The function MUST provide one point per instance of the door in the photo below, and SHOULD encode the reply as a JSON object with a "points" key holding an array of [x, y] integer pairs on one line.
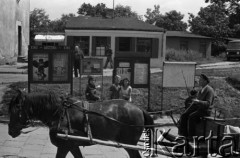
{"points": [[19, 40]]}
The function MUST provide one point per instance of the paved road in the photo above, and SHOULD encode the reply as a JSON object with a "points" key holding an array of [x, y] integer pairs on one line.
{"points": [[37, 145]]}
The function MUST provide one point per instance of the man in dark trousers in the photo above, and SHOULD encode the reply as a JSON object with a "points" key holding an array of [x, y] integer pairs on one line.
{"points": [[198, 108], [78, 56], [108, 53]]}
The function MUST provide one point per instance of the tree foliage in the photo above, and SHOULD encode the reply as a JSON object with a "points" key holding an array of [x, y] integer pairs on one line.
{"points": [[124, 11], [170, 21], [152, 15], [101, 10], [212, 21], [59, 25], [39, 22]]}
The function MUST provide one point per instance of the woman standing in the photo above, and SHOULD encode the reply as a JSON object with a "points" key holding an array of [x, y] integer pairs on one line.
{"points": [[126, 90]]}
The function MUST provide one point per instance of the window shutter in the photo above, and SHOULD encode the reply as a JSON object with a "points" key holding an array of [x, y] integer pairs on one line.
{"points": [[93, 46], [155, 47]]}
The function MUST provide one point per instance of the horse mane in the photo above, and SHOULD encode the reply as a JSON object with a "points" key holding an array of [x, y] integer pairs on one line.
{"points": [[37, 103]]}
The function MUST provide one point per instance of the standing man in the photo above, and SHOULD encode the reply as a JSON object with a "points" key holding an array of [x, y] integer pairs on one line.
{"points": [[108, 53], [198, 108], [78, 56]]}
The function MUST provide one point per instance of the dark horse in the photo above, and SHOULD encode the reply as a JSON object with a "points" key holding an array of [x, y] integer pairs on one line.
{"points": [[115, 120]]}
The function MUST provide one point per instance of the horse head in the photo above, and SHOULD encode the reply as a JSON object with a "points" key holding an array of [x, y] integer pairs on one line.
{"points": [[18, 115]]}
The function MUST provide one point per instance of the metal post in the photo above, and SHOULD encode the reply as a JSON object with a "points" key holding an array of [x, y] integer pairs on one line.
{"points": [[113, 9]]}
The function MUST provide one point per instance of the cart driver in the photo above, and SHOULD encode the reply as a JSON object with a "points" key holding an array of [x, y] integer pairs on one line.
{"points": [[198, 108]]}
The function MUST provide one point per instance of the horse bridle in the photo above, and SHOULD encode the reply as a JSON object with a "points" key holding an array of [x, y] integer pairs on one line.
{"points": [[23, 111]]}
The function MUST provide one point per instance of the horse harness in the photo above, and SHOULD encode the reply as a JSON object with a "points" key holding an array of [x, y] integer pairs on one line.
{"points": [[84, 107]]}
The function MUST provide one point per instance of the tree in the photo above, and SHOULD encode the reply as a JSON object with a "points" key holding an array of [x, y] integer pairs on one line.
{"points": [[211, 21], [170, 21], [39, 22], [88, 9], [124, 11], [101, 10], [59, 25], [232, 11], [152, 16]]}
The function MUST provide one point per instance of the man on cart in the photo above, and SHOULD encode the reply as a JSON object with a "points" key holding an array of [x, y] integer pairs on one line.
{"points": [[199, 108]]}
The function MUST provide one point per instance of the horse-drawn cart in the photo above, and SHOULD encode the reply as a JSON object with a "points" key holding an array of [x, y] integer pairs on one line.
{"points": [[115, 123]]}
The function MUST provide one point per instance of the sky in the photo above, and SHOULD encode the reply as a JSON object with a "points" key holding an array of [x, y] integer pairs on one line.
{"points": [[55, 8]]}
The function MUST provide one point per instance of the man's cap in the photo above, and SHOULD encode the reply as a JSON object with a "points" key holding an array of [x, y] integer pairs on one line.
{"points": [[205, 77]]}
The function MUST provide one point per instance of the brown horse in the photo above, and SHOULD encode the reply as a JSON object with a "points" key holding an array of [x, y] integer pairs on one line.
{"points": [[115, 120]]}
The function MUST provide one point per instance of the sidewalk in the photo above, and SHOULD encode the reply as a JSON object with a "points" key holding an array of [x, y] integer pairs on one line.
{"points": [[19, 68]]}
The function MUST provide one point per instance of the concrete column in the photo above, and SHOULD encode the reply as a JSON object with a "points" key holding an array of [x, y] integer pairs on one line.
{"points": [[90, 45], [113, 45]]}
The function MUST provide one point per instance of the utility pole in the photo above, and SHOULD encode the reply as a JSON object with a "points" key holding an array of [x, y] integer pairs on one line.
{"points": [[113, 9]]}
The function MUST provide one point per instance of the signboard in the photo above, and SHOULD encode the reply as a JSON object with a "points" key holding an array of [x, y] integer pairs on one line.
{"points": [[141, 73], [40, 69], [91, 66], [124, 72], [50, 64], [60, 67], [179, 74], [137, 70]]}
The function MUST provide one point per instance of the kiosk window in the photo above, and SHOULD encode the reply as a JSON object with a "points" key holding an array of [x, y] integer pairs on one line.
{"points": [[84, 44], [124, 44], [144, 45], [100, 46]]}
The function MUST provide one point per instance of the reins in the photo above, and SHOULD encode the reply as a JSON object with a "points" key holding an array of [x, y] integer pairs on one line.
{"points": [[87, 111]]}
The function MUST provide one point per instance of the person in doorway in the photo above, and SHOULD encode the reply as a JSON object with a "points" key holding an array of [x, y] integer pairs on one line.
{"points": [[115, 88], [91, 90], [108, 53], [198, 108], [126, 90], [78, 56]]}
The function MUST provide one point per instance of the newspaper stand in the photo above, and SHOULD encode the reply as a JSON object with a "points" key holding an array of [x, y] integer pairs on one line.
{"points": [[50, 65], [136, 69]]}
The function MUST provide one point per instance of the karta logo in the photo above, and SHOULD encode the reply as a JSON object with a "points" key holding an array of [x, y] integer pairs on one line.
{"points": [[155, 143]]}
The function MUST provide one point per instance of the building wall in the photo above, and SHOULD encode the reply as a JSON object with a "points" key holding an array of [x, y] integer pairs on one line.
{"points": [[193, 44], [12, 15], [157, 62]]}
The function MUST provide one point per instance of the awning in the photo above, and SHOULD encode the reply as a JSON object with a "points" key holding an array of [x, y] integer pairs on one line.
{"points": [[49, 38]]}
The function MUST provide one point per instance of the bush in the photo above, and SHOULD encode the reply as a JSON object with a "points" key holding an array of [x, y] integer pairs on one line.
{"points": [[182, 55]]}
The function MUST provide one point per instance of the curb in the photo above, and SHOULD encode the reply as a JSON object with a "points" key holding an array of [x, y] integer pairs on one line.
{"points": [[22, 72]]}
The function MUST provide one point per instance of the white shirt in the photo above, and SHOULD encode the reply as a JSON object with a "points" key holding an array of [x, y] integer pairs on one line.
{"points": [[125, 92]]}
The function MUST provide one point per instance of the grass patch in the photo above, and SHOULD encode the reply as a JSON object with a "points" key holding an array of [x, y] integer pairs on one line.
{"points": [[184, 56], [234, 80]]}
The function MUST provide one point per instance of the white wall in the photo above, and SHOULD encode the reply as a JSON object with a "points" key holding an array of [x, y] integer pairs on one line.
{"points": [[116, 33]]}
